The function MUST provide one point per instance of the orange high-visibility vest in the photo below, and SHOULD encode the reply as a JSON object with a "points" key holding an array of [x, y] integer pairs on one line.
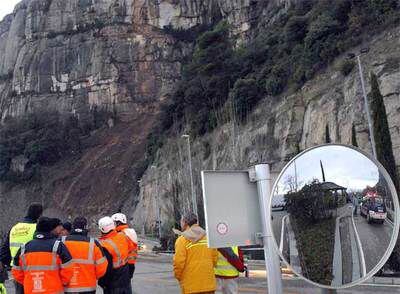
{"points": [[133, 246], [117, 245], [42, 271], [89, 263]]}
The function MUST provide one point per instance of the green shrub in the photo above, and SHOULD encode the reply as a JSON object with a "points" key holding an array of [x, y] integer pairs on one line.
{"points": [[282, 56], [42, 138], [346, 67], [245, 93]]}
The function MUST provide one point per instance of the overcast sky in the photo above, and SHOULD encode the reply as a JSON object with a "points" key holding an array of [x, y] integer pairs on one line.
{"points": [[7, 6], [342, 165]]}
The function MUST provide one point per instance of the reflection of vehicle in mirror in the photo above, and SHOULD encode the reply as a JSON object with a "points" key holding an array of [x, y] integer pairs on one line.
{"points": [[316, 225], [373, 208]]}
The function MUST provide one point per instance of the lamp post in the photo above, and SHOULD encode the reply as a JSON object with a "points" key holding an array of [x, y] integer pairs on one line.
{"points": [[194, 200], [157, 206], [360, 70], [143, 228]]}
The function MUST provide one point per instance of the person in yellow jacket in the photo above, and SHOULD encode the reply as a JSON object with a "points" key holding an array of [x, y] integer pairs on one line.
{"points": [[194, 262]]}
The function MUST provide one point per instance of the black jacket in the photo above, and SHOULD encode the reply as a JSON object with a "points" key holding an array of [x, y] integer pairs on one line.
{"points": [[5, 253], [44, 242], [115, 280]]}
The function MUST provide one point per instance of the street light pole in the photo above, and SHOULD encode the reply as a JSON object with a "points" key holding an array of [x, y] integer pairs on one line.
{"points": [[139, 181], [194, 200], [157, 198], [370, 127]]}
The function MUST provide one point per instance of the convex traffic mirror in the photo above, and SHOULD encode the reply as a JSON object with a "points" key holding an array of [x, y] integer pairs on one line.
{"points": [[334, 212]]}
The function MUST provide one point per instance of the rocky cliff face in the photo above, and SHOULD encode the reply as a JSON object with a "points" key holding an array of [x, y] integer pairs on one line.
{"points": [[79, 56], [277, 130], [74, 56]]}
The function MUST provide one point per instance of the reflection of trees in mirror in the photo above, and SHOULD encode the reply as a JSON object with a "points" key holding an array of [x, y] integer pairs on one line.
{"points": [[315, 201], [311, 213]]}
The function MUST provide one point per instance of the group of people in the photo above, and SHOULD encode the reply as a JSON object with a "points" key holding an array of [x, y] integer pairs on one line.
{"points": [[47, 256]]}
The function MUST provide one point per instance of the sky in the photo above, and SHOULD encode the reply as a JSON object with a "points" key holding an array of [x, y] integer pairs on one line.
{"points": [[342, 165], [6, 7]]}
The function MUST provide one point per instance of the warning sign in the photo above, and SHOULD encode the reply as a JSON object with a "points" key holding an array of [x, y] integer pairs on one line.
{"points": [[222, 228]]}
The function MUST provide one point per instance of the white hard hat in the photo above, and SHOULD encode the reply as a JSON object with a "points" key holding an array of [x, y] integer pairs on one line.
{"points": [[106, 224], [119, 217]]}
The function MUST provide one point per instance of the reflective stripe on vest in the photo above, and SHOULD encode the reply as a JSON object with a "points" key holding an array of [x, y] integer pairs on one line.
{"points": [[119, 262], [224, 268], [89, 260], [132, 255], [200, 243], [20, 234], [51, 267]]}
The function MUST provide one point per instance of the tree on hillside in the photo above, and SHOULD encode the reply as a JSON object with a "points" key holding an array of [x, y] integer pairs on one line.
{"points": [[354, 136], [327, 135], [207, 79], [383, 141]]}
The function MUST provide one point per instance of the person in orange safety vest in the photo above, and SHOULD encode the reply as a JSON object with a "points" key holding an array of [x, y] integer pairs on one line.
{"points": [[116, 248], [89, 262], [43, 265], [121, 226]]}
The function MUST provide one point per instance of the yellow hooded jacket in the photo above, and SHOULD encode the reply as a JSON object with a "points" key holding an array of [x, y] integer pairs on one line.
{"points": [[194, 262]]}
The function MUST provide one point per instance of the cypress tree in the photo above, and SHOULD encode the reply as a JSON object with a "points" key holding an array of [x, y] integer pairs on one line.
{"points": [[327, 135], [384, 150], [354, 136], [383, 141]]}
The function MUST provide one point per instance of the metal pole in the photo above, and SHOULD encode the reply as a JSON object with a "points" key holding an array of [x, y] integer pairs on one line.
{"points": [[158, 210], [371, 130], [272, 262], [194, 200], [157, 206]]}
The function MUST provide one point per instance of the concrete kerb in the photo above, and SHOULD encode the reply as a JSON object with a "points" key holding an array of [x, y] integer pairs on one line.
{"points": [[360, 249]]}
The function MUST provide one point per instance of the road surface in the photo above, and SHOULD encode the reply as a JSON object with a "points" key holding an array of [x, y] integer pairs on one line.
{"points": [[375, 239], [154, 276]]}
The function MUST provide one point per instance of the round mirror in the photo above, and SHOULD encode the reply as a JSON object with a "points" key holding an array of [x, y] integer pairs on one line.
{"points": [[334, 216]]}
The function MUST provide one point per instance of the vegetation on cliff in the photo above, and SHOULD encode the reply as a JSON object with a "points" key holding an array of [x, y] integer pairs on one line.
{"points": [[282, 57]]}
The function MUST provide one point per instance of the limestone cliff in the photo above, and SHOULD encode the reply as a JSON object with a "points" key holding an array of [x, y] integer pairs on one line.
{"points": [[75, 56], [78, 56], [277, 130]]}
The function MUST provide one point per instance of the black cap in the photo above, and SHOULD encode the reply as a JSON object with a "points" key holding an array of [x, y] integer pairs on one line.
{"points": [[35, 210], [80, 223], [44, 225], [67, 226]]}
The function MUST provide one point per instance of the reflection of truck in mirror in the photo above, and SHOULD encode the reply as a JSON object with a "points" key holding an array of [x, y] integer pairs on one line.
{"points": [[373, 208]]}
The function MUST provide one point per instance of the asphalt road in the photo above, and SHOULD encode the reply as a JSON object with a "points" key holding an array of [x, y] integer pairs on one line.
{"points": [[154, 276], [375, 239]]}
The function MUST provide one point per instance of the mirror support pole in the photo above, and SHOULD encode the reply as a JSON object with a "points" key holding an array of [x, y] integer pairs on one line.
{"points": [[272, 262]]}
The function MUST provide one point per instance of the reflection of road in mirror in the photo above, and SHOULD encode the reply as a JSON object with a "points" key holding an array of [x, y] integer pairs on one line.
{"points": [[332, 224]]}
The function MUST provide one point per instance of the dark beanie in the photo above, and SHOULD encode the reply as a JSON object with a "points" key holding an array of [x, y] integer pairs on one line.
{"points": [[46, 224], [67, 226], [35, 210], [80, 223]]}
